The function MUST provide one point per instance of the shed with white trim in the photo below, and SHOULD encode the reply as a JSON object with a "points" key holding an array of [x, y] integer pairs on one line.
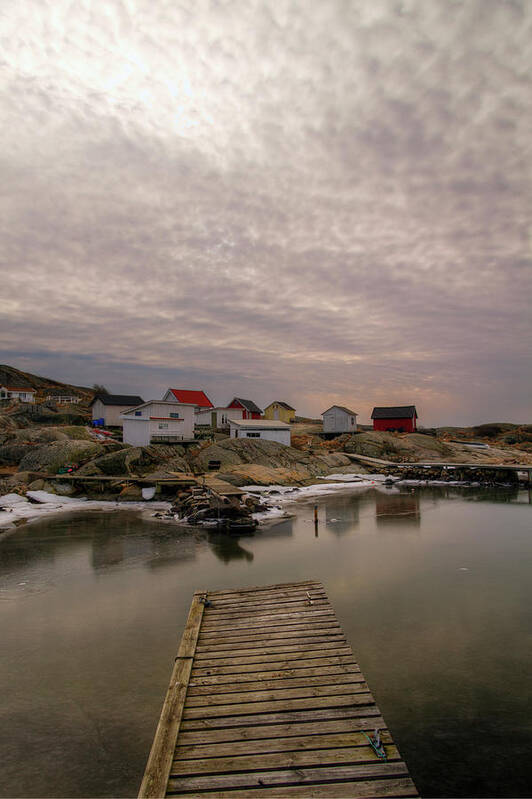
{"points": [[158, 422], [260, 428]]}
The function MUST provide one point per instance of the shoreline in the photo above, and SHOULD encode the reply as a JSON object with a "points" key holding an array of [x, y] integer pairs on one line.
{"points": [[18, 511]]}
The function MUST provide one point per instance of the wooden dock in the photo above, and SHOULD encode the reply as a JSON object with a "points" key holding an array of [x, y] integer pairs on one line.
{"points": [[266, 699], [477, 465]]}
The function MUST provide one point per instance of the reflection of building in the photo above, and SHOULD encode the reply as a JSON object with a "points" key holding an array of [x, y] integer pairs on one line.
{"points": [[397, 509], [107, 551], [342, 514], [227, 548], [280, 529]]}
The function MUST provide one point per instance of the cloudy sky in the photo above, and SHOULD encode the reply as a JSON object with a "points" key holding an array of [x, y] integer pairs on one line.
{"points": [[318, 202]]}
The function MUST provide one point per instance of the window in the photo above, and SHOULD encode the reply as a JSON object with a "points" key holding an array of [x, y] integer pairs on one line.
{"points": [[252, 435], [138, 413], [163, 426], [174, 416]]}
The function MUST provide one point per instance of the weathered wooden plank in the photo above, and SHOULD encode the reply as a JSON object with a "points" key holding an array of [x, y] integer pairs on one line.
{"points": [[298, 776], [355, 710], [291, 656], [263, 685], [318, 627], [372, 789], [351, 698], [286, 664], [273, 695], [268, 619], [212, 633], [218, 611], [279, 761], [160, 759], [276, 731], [278, 638], [258, 655], [237, 607], [310, 625], [230, 680], [294, 743], [256, 590]]}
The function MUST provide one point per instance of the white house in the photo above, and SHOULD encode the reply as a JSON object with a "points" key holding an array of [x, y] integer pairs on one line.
{"points": [[188, 396], [266, 429], [338, 419], [110, 407], [63, 399], [22, 394], [158, 422], [218, 417]]}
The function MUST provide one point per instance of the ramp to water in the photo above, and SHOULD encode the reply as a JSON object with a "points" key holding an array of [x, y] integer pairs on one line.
{"points": [[266, 698]]}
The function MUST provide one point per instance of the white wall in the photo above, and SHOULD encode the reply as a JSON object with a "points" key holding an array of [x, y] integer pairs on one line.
{"points": [[136, 432], [154, 419], [281, 436], [338, 421], [168, 427], [111, 414], [204, 417]]}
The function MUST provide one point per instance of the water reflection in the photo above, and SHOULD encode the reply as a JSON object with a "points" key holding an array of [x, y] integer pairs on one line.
{"points": [[342, 514], [397, 509], [443, 646], [228, 548], [281, 529]]}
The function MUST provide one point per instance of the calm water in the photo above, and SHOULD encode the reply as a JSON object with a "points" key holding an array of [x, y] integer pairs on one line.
{"points": [[433, 589]]}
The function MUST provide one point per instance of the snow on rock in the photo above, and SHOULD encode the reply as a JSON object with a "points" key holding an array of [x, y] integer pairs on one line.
{"points": [[46, 497], [10, 500]]}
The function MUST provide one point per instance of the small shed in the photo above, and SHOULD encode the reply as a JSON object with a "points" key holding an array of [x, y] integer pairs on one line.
{"points": [[400, 418], [280, 411], [189, 396], [339, 419], [251, 411], [217, 418], [158, 422], [110, 407], [265, 429]]}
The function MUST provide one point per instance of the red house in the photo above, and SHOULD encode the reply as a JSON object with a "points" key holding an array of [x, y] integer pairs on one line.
{"points": [[190, 396], [401, 418], [249, 409]]}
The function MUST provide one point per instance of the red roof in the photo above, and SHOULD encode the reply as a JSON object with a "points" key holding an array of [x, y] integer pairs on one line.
{"points": [[193, 397]]}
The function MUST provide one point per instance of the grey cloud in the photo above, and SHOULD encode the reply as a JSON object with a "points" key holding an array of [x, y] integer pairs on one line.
{"points": [[330, 203]]}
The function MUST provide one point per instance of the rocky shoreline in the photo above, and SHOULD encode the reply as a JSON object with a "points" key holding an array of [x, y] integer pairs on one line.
{"points": [[32, 458]]}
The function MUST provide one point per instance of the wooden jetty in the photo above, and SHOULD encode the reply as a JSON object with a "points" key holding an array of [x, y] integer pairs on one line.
{"points": [[266, 699], [477, 465]]}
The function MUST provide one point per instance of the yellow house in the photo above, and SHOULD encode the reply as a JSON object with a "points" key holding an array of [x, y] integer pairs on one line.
{"points": [[280, 411]]}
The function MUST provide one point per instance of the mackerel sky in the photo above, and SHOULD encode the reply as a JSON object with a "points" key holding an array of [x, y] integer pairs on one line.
{"points": [[313, 201]]}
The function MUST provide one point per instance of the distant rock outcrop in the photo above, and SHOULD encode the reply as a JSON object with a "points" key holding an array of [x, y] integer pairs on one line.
{"points": [[244, 461]]}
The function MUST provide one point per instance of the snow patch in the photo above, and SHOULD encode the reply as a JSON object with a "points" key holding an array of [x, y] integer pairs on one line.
{"points": [[46, 504]]}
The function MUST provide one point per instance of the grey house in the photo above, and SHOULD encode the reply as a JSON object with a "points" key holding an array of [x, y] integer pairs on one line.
{"points": [[109, 407], [338, 419]]}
